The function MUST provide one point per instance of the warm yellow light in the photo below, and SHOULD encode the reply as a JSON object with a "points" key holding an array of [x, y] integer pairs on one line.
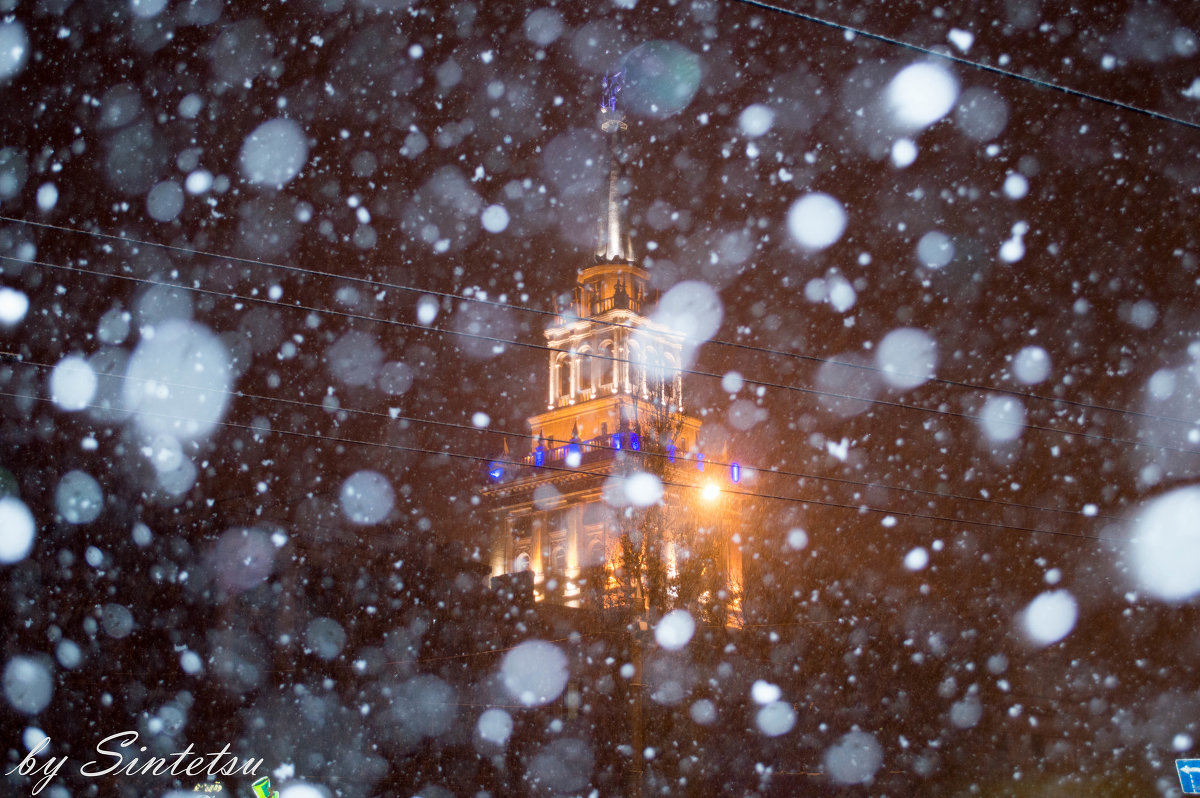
{"points": [[710, 492]]}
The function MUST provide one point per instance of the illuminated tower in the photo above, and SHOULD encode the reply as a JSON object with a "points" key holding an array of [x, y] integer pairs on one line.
{"points": [[612, 370]]}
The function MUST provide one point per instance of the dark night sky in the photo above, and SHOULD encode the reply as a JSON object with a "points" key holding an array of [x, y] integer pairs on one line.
{"points": [[418, 116]]}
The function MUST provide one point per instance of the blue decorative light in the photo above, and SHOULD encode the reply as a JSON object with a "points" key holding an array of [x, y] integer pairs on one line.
{"points": [[735, 472], [539, 456], [699, 461], [616, 441], [574, 454], [495, 471], [634, 443], [671, 452]]}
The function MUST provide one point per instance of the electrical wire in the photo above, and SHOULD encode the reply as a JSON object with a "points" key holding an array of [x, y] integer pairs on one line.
{"points": [[596, 356], [683, 457], [376, 285], [858, 508], [948, 56]]}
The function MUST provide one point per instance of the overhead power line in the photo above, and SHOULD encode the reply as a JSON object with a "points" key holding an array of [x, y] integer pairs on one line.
{"points": [[376, 285], [858, 508], [596, 356], [949, 56], [681, 457]]}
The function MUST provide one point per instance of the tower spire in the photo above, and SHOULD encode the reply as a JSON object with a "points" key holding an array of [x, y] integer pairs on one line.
{"points": [[613, 241]]}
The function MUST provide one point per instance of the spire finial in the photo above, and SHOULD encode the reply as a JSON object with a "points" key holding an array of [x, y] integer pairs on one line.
{"points": [[613, 241], [610, 118]]}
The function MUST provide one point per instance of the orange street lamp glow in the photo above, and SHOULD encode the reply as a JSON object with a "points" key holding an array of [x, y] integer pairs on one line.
{"points": [[710, 492]]}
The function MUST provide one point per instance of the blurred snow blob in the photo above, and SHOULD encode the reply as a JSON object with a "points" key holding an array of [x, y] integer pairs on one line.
{"points": [[692, 310], [13, 305], [775, 719], [1013, 249], [325, 637], [816, 220], [916, 559], [921, 94], [535, 672], [643, 489], [199, 181], [78, 498], [1165, 545], [661, 78], [427, 310], [17, 529], [935, 249], [1050, 617], [854, 759], [147, 8], [367, 497], [423, 706], [904, 152], [165, 453], [165, 201], [543, 26], [28, 685], [755, 120], [14, 48], [395, 378], [907, 357], [495, 726], [965, 714], [355, 358], [14, 171], [242, 559], [962, 39], [1016, 186], [763, 692], [981, 114], [1002, 418], [832, 288], [675, 630], [274, 153], [117, 620], [1031, 365], [562, 767], [495, 218], [178, 380], [797, 538], [72, 383], [47, 196], [298, 789]]}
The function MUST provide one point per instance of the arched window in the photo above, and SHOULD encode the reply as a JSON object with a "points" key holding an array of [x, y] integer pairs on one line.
{"points": [[586, 376], [635, 367], [593, 555], [562, 367], [521, 563], [609, 366]]}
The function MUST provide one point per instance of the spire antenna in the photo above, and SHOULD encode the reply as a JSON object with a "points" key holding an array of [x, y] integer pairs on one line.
{"points": [[612, 120], [613, 241]]}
